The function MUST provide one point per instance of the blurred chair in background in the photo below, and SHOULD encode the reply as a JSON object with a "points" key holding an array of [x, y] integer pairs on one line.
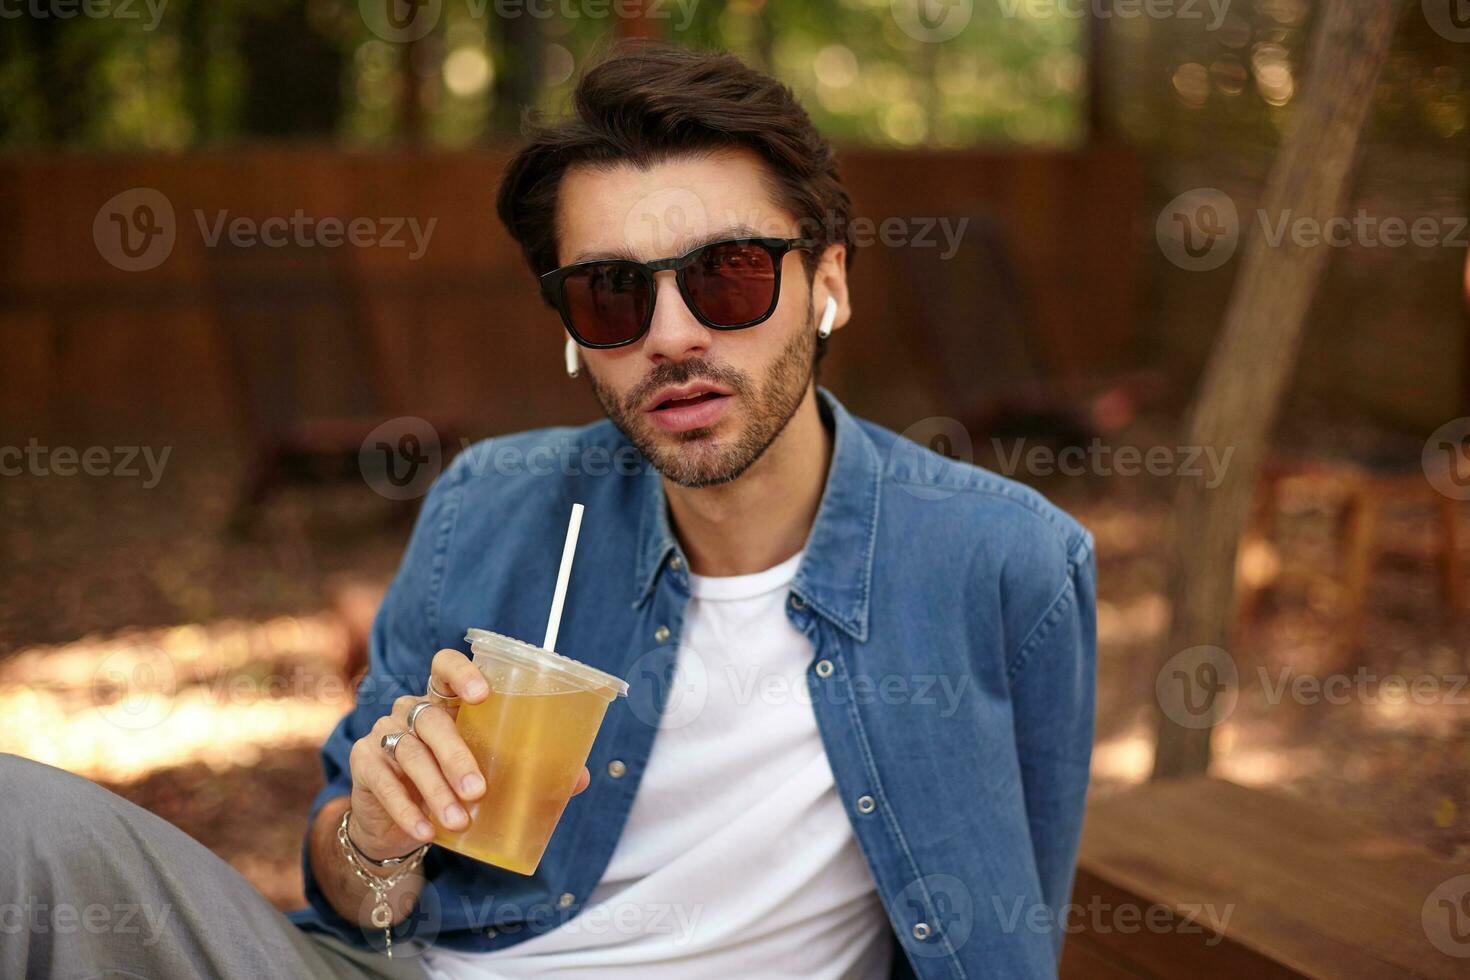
{"points": [[308, 378]]}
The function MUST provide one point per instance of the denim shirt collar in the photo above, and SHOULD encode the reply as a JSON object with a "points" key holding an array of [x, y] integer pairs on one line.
{"points": [[836, 570]]}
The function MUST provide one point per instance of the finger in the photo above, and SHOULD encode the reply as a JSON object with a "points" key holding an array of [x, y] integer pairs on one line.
{"points": [[419, 765], [391, 795], [437, 730], [456, 674], [402, 705], [583, 781]]}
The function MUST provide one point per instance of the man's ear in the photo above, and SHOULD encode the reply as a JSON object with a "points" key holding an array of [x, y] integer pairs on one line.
{"points": [[831, 280]]}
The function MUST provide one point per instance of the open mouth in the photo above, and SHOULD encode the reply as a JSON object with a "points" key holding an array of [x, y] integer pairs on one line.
{"points": [[686, 414], [703, 396]]}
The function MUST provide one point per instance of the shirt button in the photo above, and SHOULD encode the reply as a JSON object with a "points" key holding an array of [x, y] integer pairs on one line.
{"points": [[616, 769], [921, 931], [490, 933], [566, 900], [824, 668], [661, 634], [797, 602], [676, 563], [865, 804]]}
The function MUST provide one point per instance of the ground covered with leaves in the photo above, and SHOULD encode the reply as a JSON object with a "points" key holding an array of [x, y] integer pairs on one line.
{"points": [[196, 672]]}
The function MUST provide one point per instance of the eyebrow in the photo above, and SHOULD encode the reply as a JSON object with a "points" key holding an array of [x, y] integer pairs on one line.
{"points": [[689, 245]]}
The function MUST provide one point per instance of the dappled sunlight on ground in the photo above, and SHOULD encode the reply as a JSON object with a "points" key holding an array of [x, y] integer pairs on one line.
{"points": [[121, 707], [214, 723]]}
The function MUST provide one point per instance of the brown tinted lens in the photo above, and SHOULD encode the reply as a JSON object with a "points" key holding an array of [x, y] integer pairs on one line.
{"points": [[731, 283], [607, 303]]}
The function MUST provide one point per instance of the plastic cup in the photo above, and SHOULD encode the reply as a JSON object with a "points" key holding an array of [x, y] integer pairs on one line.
{"points": [[530, 737]]}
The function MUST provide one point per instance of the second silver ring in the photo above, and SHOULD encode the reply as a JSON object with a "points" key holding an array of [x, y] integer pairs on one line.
{"points": [[390, 742], [414, 712]]}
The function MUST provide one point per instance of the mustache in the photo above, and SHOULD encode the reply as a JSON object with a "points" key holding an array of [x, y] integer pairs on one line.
{"points": [[683, 372]]}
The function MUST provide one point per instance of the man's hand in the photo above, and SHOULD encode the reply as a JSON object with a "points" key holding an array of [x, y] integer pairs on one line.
{"points": [[434, 774]]}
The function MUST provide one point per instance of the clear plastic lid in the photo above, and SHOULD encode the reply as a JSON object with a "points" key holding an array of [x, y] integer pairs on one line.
{"points": [[532, 657]]}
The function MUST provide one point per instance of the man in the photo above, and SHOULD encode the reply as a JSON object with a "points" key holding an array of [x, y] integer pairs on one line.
{"points": [[859, 723]]}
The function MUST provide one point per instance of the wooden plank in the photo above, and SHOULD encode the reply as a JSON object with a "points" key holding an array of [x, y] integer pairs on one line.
{"points": [[1081, 960], [1305, 889]]}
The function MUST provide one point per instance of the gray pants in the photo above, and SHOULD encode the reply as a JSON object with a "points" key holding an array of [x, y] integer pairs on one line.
{"points": [[92, 886]]}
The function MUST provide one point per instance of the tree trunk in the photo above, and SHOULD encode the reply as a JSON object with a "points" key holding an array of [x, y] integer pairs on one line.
{"points": [[1253, 358]]}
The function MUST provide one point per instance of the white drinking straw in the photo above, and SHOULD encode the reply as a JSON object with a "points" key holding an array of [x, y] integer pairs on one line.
{"points": [[553, 622]]}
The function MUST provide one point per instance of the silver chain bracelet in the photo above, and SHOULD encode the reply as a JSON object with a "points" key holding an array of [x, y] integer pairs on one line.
{"points": [[380, 885]]}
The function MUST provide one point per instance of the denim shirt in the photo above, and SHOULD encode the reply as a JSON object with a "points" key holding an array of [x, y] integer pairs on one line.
{"points": [[951, 614]]}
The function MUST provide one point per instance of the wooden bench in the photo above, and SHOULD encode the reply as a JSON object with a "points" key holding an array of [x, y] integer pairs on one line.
{"points": [[1300, 891]]}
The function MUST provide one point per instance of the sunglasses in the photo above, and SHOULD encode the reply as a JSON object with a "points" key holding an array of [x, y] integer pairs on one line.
{"points": [[727, 285]]}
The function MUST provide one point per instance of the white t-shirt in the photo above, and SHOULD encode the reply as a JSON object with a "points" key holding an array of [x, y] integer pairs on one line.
{"points": [[737, 859]]}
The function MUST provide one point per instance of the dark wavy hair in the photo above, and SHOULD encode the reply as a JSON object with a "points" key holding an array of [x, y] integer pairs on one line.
{"points": [[649, 101]]}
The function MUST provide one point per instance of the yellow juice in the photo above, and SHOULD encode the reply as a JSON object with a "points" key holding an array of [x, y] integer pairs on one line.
{"points": [[531, 748]]}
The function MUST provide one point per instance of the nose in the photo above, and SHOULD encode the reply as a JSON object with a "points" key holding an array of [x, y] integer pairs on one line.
{"points": [[674, 334]]}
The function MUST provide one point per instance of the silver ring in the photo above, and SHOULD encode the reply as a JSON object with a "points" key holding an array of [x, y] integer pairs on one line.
{"points": [[444, 698], [390, 743], [414, 712]]}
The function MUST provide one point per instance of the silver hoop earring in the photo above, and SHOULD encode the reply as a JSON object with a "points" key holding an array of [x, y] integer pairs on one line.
{"points": [[824, 329], [571, 357]]}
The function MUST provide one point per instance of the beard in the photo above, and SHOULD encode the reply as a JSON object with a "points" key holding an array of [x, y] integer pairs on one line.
{"points": [[698, 459]]}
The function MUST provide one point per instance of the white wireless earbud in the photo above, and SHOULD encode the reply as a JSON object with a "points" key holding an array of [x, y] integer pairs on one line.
{"points": [[824, 329], [571, 355]]}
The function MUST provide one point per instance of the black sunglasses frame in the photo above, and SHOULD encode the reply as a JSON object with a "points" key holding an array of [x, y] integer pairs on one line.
{"points": [[552, 283]]}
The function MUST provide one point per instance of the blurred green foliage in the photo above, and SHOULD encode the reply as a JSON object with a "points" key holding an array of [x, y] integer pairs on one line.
{"points": [[186, 73], [219, 71]]}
